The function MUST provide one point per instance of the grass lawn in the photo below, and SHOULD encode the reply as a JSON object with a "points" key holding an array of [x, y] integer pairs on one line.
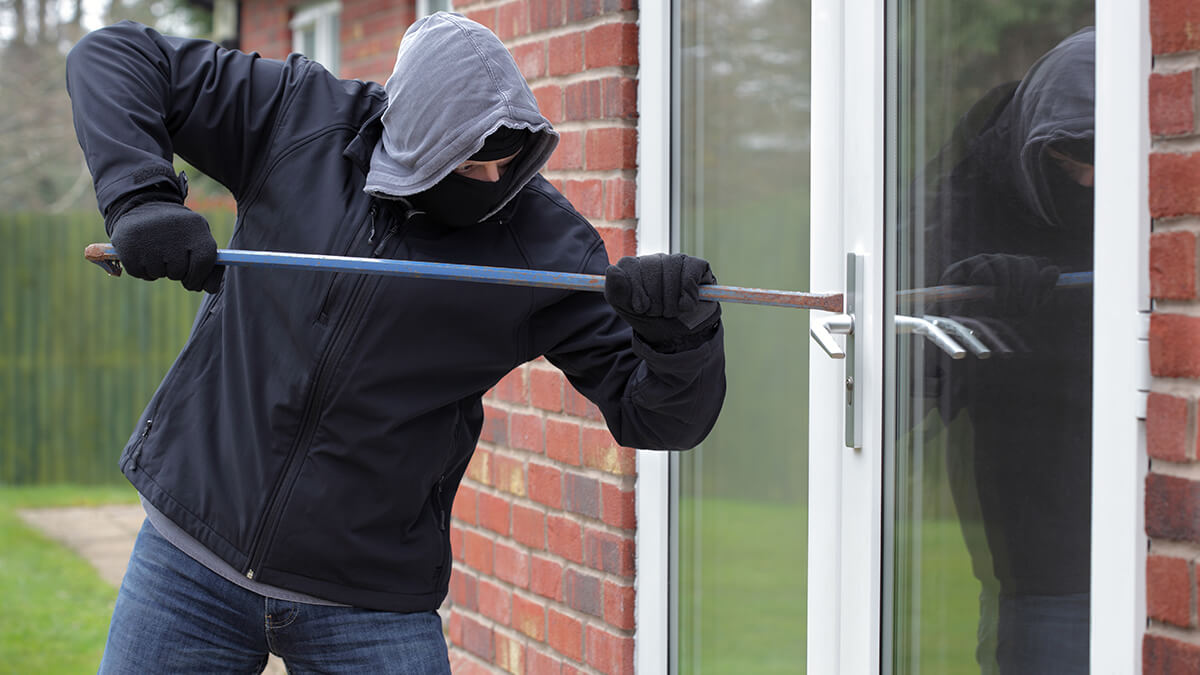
{"points": [[56, 608]]}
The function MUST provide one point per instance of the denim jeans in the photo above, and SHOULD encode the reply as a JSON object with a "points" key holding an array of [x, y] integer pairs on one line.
{"points": [[1044, 634], [174, 615]]}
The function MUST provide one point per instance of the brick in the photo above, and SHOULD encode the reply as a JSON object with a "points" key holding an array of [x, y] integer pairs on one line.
{"points": [[495, 602], [564, 537], [619, 605], [569, 153], [1172, 508], [454, 629], [511, 20], [550, 104], [1173, 265], [578, 10], [620, 98], [608, 148], [587, 196], [458, 543], [479, 469], [566, 54], [600, 451], [1169, 590], [609, 552], [528, 527], [547, 389], [611, 44], [525, 433], [608, 653], [495, 425], [546, 577], [1174, 190], [1167, 656], [477, 638], [531, 59], [486, 17], [510, 564], [493, 513], [508, 474], [510, 654], [545, 14], [620, 199], [537, 663], [583, 101], [464, 508], [1174, 345], [618, 242], [565, 635], [562, 442], [477, 551], [583, 593], [545, 485], [581, 495], [1167, 434], [464, 589], [1174, 26], [1171, 104], [511, 387], [619, 507], [529, 617]]}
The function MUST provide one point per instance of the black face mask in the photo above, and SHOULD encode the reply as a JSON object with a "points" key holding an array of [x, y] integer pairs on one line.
{"points": [[458, 201]]}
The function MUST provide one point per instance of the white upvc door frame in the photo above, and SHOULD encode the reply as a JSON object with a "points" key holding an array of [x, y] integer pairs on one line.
{"points": [[845, 490]]}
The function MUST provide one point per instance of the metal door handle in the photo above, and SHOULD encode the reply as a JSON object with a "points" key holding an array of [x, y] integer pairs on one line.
{"points": [[960, 331], [920, 326], [842, 324]]}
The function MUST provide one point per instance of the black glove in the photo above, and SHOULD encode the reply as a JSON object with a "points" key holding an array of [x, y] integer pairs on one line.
{"points": [[1021, 283], [156, 236], [659, 295]]}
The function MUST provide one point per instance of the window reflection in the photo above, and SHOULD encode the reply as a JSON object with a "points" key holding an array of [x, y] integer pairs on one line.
{"points": [[999, 439]]}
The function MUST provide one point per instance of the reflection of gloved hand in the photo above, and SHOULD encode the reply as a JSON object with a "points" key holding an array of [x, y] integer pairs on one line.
{"points": [[659, 296], [1021, 283], [156, 236]]}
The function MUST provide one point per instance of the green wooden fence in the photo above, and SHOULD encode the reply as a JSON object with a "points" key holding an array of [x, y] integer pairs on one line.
{"points": [[80, 352]]}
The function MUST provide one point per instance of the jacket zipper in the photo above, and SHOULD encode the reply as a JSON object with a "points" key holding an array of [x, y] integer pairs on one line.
{"points": [[356, 307], [137, 452], [323, 312]]}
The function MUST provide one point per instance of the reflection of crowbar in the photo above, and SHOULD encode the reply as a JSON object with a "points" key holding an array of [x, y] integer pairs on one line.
{"points": [[105, 256]]}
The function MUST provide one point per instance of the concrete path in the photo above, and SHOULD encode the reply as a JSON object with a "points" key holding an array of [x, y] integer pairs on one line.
{"points": [[103, 536]]}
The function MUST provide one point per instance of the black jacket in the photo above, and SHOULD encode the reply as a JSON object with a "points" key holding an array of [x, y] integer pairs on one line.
{"points": [[314, 429]]}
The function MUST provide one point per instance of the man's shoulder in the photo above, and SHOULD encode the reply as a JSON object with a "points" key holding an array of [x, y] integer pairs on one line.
{"points": [[553, 233]]}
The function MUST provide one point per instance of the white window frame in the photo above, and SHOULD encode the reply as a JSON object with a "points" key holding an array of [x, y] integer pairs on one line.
{"points": [[321, 19], [848, 94]]}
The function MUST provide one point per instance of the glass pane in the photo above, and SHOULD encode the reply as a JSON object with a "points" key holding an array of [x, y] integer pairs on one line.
{"points": [[991, 241], [741, 195]]}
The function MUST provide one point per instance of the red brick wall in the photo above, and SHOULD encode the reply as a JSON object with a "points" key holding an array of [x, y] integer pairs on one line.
{"points": [[543, 528], [1172, 641]]}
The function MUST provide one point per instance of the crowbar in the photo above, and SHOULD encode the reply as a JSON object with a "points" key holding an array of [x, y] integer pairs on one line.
{"points": [[106, 257]]}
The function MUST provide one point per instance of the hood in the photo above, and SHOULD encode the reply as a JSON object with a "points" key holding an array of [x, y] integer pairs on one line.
{"points": [[454, 84], [1054, 105]]}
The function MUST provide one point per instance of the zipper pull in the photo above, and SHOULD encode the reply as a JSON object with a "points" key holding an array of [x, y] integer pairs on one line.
{"points": [[392, 229], [371, 214]]}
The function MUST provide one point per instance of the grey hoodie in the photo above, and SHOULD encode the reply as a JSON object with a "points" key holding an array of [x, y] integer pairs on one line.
{"points": [[454, 84]]}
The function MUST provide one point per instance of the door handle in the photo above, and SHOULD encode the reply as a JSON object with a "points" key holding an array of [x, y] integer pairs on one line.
{"points": [[929, 329], [844, 324], [960, 331]]}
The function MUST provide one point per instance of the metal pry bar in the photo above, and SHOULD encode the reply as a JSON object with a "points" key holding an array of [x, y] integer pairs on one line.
{"points": [[105, 256]]}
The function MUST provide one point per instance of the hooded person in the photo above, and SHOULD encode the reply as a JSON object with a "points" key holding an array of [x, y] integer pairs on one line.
{"points": [[299, 461], [1009, 206]]}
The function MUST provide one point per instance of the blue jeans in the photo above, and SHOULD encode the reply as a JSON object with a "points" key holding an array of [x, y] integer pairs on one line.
{"points": [[173, 615], [1044, 634]]}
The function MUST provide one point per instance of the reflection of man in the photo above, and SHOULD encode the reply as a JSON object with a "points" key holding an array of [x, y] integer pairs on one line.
{"points": [[1013, 214]]}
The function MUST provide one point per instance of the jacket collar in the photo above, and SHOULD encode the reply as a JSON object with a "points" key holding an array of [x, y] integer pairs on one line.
{"points": [[360, 149]]}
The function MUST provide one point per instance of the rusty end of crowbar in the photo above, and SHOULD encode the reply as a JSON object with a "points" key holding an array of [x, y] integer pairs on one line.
{"points": [[101, 255]]}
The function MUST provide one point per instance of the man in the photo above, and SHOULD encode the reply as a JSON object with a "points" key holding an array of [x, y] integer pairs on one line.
{"points": [[1013, 213], [299, 461]]}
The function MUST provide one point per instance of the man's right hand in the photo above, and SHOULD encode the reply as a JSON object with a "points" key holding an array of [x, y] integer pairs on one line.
{"points": [[155, 236]]}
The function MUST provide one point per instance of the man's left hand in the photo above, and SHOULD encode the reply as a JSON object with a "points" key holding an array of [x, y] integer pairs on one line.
{"points": [[659, 295]]}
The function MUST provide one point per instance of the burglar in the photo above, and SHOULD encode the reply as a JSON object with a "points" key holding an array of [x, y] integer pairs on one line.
{"points": [[1014, 213], [299, 461]]}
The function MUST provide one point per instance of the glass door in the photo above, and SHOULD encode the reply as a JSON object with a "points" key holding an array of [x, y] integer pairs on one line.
{"points": [[988, 337], [741, 200]]}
